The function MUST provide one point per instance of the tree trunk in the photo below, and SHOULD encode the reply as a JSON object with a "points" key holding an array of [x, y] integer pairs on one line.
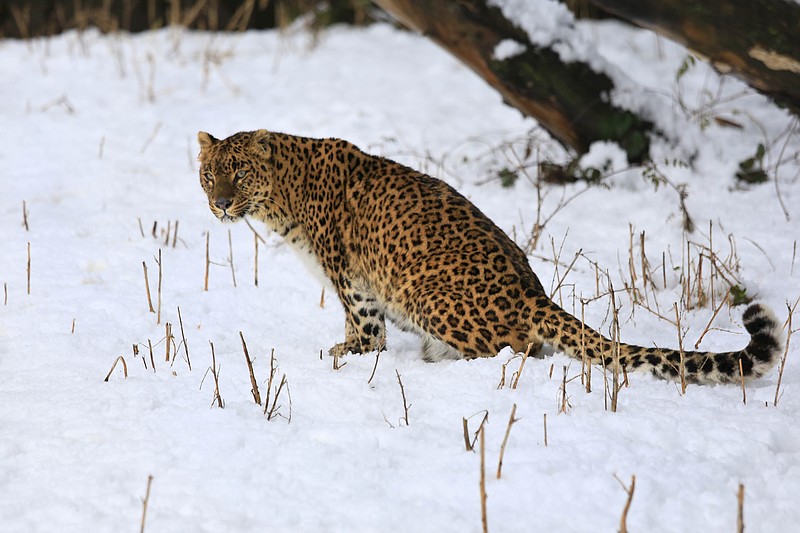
{"points": [[568, 99], [756, 40]]}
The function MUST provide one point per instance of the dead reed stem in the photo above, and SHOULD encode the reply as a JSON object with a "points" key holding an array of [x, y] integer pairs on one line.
{"points": [[711, 321], [322, 298], [515, 377], [564, 403], [147, 288], [230, 258], [208, 260], [406, 406], [682, 363], [168, 340], [623, 525], [511, 421], [741, 375], [5, 293], [740, 509], [152, 359], [72, 331], [253, 382], [124, 368], [785, 355], [29, 268], [544, 421], [175, 235], [374, 367], [25, 216], [183, 340], [336, 365], [615, 348], [255, 261], [144, 503], [470, 445], [215, 373], [484, 519], [158, 315], [586, 364]]}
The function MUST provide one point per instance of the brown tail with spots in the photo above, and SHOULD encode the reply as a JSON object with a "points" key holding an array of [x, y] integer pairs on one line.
{"points": [[761, 354]]}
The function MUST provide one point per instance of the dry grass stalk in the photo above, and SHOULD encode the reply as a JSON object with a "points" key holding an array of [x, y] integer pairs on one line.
{"points": [[183, 340], [169, 340], [511, 421], [230, 257], [152, 359], [322, 299], [586, 365], [406, 406], [336, 365], [253, 382], [711, 321], [5, 293], [144, 503], [741, 375], [374, 367], [615, 348], [215, 373], [151, 97], [147, 288], [785, 355], [623, 525], [470, 444], [72, 331], [516, 375], [544, 422], [563, 404], [273, 410], [29, 269], [158, 312], [124, 368], [740, 509], [255, 261], [175, 235], [141, 228], [208, 261], [25, 216], [681, 364], [484, 520]]}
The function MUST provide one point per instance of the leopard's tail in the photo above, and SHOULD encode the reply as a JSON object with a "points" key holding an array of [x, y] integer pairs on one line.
{"points": [[759, 356]]}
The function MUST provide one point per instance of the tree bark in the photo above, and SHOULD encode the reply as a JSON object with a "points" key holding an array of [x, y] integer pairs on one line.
{"points": [[568, 99], [756, 40]]}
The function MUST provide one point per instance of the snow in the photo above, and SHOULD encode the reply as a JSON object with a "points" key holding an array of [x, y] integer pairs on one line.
{"points": [[100, 135]]}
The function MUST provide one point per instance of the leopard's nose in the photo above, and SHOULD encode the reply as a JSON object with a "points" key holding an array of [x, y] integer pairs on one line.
{"points": [[223, 203]]}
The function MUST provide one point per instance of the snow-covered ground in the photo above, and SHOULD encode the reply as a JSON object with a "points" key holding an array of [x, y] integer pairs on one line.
{"points": [[98, 140]]}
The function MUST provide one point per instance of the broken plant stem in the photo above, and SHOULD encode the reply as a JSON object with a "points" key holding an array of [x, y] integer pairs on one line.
{"points": [[144, 503], [406, 407], [215, 373], [230, 257], [208, 260], [158, 312], [183, 340], [147, 288], [253, 382], [785, 355], [484, 519], [124, 368], [511, 421], [623, 521]]}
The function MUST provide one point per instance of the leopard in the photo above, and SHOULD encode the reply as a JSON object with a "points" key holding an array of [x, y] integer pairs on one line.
{"points": [[399, 245]]}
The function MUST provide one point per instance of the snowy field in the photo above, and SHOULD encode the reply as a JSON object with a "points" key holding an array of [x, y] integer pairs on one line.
{"points": [[98, 141]]}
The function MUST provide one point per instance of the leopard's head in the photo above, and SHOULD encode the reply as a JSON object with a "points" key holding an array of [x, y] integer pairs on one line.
{"points": [[234, 172]]}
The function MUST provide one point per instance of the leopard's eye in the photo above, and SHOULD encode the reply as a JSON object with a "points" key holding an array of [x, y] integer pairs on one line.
{"points": [[208, 177], [239, 175]]}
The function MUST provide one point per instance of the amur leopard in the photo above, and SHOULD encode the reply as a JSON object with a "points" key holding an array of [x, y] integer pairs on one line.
{"points": [[400, 245]]}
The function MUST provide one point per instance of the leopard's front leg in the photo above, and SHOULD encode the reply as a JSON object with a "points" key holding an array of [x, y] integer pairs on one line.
{"points": [[365, 327]]}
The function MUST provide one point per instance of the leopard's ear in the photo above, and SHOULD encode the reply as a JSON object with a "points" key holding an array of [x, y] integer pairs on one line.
{"points": [[259, 143], [206, 140]]}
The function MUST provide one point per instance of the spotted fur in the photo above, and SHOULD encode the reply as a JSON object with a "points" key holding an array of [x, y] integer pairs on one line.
{"points": [[401, 245]]}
